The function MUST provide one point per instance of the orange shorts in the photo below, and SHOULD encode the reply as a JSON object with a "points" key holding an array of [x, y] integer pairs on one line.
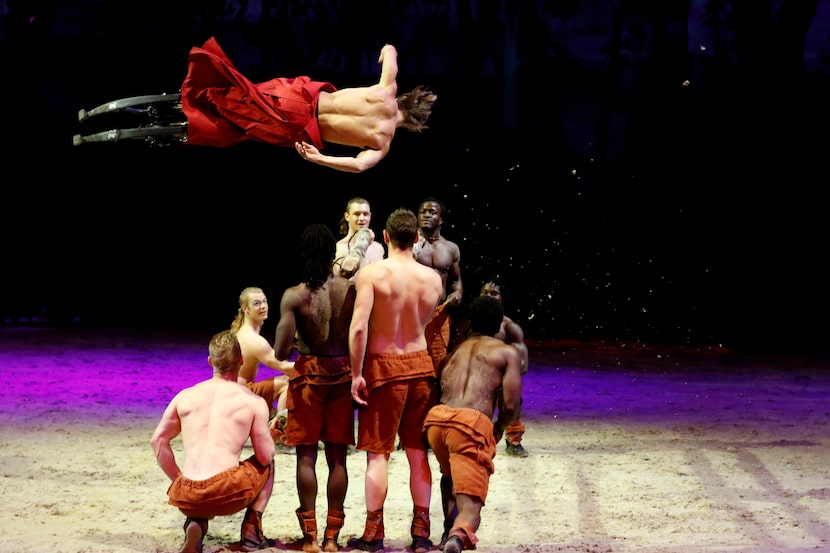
{"points": [[464, 447], [319, 401], [225, 493], [514, 432], [396, 407], [264, 389], [437, 332]]}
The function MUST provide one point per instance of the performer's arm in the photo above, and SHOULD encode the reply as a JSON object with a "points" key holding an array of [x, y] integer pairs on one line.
{"points": [[389, 65], [366, 159], [454, 278]]}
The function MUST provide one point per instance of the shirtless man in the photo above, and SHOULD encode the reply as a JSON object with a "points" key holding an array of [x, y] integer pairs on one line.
{"points": [[481, 374], [358, 216], [216, 418], [223, 107], [511, 333], [444, 256], [251, 315], [315, 316], [393, 380]]}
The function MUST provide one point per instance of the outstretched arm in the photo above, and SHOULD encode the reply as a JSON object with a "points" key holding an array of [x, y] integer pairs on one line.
{"points": [[366, 159], [388, 61], [265, 354]]}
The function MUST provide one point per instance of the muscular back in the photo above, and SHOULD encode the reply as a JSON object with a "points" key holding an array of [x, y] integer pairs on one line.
{"points": [[401, 294], [320, 318], [364, 117], [217, 417], [479, 373]]}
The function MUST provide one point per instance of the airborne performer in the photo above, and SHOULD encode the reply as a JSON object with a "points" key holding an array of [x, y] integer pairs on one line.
{"points": [[223, 108]]}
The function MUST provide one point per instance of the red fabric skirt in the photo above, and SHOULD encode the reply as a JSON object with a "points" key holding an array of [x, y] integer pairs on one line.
{"points": [[223, 107]]}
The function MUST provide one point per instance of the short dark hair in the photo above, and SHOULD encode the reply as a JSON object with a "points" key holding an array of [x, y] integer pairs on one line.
{"points": [[486, 315], [441, 205], [497, 280], [402, 226], [344, 224]]}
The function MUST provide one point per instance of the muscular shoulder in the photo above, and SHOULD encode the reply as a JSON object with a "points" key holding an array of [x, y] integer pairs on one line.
{"points": [[247, 336], [375, 250], [451, 247], [383, 93], [375, 271], [502, 353], [341, 247], [254, 345], [340, 285], [512, 330], [295, 295], [257, 404]]}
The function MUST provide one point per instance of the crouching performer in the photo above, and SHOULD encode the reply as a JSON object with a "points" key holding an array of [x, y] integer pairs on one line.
{"points": [[216, 417], [481, 373]]}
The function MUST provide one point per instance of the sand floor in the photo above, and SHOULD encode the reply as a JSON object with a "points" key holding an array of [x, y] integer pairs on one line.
{"points": [[632, 448]]}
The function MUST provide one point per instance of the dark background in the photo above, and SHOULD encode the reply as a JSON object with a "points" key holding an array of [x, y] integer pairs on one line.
{"points": [[645, 171]]}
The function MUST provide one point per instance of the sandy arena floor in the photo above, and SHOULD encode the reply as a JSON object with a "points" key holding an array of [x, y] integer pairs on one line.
{"points": [[632, 449]]}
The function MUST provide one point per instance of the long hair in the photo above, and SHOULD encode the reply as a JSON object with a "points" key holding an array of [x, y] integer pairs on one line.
{"points": [[317, 246], [416, 107], [236, 324]]}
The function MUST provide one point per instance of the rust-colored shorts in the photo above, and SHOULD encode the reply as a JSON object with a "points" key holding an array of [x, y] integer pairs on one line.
{"points": [[319, 402], [264, 389], [396, 407], [514, 432], [225, 493], [437, 333], [463, 444]]}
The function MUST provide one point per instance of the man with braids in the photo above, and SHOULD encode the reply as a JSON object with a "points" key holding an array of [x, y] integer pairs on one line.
{"points": [[216, 418], [393, 380], [252, 313], [223, 108], [481, 373], [314, 319]]}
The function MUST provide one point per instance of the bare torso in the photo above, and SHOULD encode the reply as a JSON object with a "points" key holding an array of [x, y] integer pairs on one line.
{"points": [[255, 350], [217, 417], [319, 318], [374, 252], [405, 294], [472, 375], [502, 333], [251, 343], [441, 255], [363, 117]]}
